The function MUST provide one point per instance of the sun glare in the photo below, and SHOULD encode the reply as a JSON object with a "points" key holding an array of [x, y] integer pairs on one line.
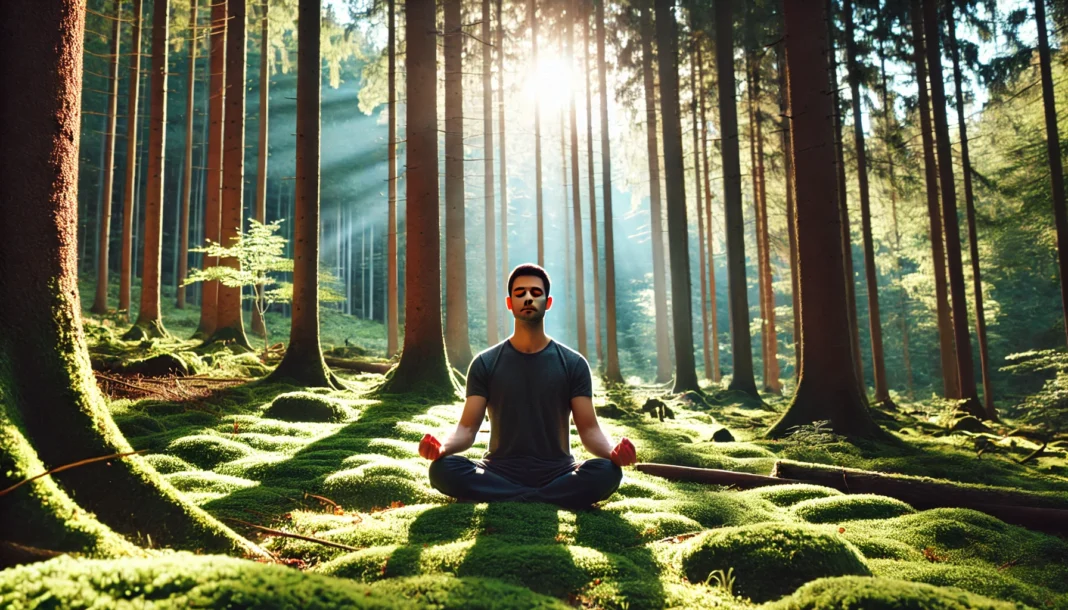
{"points": [[549, 83]]}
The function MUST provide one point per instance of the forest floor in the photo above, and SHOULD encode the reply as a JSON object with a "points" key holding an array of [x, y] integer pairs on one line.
{"points": [[342, 466]]}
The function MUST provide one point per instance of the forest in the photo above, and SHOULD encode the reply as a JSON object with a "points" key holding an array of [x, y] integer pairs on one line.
{"points": [[260, 261]]}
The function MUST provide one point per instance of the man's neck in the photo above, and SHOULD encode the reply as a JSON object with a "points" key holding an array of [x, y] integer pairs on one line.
{"points": [[529, 338]]}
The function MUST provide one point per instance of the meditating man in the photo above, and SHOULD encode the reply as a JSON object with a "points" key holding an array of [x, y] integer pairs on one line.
{"points": [[531, 385]]}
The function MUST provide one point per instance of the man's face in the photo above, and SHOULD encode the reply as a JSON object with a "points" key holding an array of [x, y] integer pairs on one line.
{"points": [[528, 300]]}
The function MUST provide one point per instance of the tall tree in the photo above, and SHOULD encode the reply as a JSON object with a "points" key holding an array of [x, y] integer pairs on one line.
{"points": [[392, 281], [303, 361], [591, 178], [45, 372], [958, 299], [694, 95], [457, 342], [100, 303], [1056, 171], [187, 180], [612, 372], [539, 211], [656, 214], [791, 212], [209, 296], [492, 314], [882, 389], [741, 348], [973, 238], [423, 366], [261, 159], [501, 326], [947, 350], [714, 374], [827, 388], [667, 38], [576, 198], [130, 190]]}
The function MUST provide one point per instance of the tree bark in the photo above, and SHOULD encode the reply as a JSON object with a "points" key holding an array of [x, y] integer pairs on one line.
{"points": [[45, 373], [714, 331], [771, 381], [505, 269], [827, 388], [187, 178], [791, 224], [591, 179], [566, 221], [457, 342], [973, 237], [741, 348], [258, 327], [958, 298], [698, 126], [656, 214], [423, 367], [539, 211], [490, 203], [209, 296], [130, 190], [762, 298], [576, 197], [1056, 171], [947, 349], [100, 303], [882, 389], [392, 281], [612, 372]]}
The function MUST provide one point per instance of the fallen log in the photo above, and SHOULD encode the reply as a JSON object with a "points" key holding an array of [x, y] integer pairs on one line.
{"points": [[359, 366], [711, 476]]}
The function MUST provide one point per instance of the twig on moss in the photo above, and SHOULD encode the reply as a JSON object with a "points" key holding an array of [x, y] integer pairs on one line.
{"points": [[275, 532], [68, 467]]}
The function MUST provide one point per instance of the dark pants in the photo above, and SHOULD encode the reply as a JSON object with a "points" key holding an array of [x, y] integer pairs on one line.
{"points": [[591, 481]]}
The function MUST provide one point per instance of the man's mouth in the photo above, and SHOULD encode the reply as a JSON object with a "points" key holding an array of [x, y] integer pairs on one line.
{"points": [[528, 309]]}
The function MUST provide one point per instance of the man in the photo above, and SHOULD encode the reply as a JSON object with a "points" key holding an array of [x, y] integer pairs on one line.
{"points": [[531, 386]]}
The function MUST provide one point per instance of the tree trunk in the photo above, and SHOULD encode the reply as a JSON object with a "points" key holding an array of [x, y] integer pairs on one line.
{"points": [[46, 376], [187, 179], [457, 343], [149, 323], [612, 372], [882, 390], [1056, 171], [771, 381], [973, 238], [209, 296], [698, 126], [533, 17], [130, 190], [258, 327], [100, 303], [675, 182], [950, 382], [663, 347], [505, 269], [591, 179], [423, 367], [959, 302], [714, 331], [827, 388], [843, 200], [741, 348], [492, 314], [791, 224], [229, 323], [392, 302], [572, 322], [576, 197], [761, 296]]}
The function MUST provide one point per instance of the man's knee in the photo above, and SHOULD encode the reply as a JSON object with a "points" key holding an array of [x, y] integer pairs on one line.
{"points": [[443, 472], [608, 475]]}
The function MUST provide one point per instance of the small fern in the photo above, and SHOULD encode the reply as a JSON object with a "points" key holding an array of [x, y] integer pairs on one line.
{"points": [[724, 581]]}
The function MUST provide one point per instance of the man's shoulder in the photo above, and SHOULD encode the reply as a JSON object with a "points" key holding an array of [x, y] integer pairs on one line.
{"points": [[487, 355], [570, 354]]}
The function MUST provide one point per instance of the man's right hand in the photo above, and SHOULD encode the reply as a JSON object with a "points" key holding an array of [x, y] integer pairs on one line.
{"points": [[430, 447]]}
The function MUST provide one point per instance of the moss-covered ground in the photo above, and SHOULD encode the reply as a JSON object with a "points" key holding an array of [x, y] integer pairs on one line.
{"points": [[349, 473]]}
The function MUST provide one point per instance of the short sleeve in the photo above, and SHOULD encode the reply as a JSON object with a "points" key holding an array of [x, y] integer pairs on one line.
{"points": [[581, 380], [477, 378]]}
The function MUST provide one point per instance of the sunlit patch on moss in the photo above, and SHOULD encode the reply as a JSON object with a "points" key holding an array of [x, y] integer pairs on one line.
{"points": [[353, 489], [857, 593], [308, 407], [788, 495], [207, 451], [167, 464], [834, 509]]}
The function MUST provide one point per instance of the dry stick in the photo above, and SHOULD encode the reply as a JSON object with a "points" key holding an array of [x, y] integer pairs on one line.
{"points": [[322, 499], [68, 467], [275, 532]]}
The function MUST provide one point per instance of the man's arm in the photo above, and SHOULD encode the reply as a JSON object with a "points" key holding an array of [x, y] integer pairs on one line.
{"points": [[470, 421], [589, 431]]}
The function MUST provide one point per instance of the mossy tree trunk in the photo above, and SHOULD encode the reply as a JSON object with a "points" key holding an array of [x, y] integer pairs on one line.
{"points": [[187, 178], [488, 184], [209, 296], [741, 348], [258, 327], [663, 346], [457, 341], [576, 188], [303, 361], [45, 374], [423, 366], [612, 373], [149, 322], [827, 388], [130, 188], [712, 305], [100, 303]]}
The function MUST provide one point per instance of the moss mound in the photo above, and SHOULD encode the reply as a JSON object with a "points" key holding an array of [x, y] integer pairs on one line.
{"points": [[834, 509], [207, 451], [167, 464], [353, 489], [771, 559], [856, 593], [978, 579], [444, 592], [788, 495], [180, 580], [307, 407]]}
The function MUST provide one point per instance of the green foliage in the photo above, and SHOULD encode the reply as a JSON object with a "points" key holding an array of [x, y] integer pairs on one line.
{"points": [[1048, 407]]}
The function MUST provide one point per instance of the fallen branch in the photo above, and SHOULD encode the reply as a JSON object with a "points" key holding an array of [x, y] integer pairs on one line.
{"points": [[1033, 454], [711, 476], [359, 366], [275, 532], [68, 467]]}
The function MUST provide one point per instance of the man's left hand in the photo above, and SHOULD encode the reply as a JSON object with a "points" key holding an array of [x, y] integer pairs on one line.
{"points": [[624, 453]]}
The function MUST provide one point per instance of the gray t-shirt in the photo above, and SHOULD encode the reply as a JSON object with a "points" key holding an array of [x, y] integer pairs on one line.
{"points": [[529, 404]]}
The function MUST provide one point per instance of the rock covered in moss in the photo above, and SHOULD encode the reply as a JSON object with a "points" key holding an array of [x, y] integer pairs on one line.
{"points": [[723, 435], [771, 559], [856, 593], [834, 509], [968, 423], [208, 451], [307, 407], [160, 365]]}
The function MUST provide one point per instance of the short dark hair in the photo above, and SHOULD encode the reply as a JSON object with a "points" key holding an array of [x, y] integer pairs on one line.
{"points": [[529, 269]]}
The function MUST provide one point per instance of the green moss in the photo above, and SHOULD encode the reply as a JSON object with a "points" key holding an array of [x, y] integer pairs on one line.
{"points": [[973, 577], [444, 592], [167, 464], [307, 407], [352, 489], [856, 593], [788, 495], [718, 509], [208, 482], [835, 509], [207, 451], [771, 559]]}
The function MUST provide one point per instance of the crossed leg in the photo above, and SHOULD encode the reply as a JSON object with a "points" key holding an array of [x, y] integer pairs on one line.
{"points": [[591, 481]]}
